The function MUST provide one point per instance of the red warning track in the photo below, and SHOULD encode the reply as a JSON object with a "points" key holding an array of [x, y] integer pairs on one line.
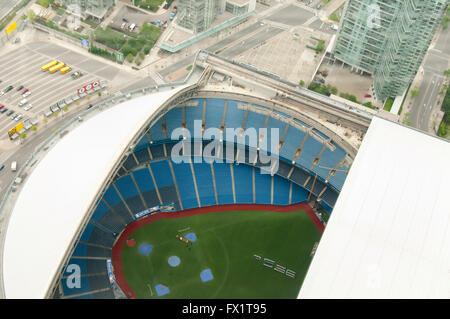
{"points": [[116, 253]]}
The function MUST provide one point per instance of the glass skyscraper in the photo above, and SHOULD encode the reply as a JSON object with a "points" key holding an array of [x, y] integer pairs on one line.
{"points": [[388, 39]]}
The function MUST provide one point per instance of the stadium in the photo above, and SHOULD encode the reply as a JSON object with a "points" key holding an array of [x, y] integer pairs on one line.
{"points": [[194, 192]]}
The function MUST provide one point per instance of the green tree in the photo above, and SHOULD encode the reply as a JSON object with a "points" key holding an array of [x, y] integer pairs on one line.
{"points": [[301, 83], [414, 93], [34, 128], [130, 57], [31, 15]]}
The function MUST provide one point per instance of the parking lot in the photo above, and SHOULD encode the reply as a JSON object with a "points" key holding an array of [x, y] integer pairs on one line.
{"points": [[22, 67]]}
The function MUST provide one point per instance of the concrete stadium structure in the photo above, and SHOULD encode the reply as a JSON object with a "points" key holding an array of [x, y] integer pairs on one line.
{"points": [[119, 163]]}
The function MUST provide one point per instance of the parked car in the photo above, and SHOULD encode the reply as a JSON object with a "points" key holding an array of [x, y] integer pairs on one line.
{"points": [[9, 113], [26, 94], [20, 88], [367, 95], [3, 110], [18, 117], [2, 106], [2, 166], [28, 107], [25, 90], [23, 102], [9, 88]]}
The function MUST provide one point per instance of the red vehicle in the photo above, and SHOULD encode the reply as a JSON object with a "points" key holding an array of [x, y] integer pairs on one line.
{"points": [[2, 106], [367, 95], [25, 90]]}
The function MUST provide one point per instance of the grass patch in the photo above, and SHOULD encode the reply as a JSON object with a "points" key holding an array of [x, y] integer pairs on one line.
{"points": [[388, 104], [151, 5], [189, 68]]}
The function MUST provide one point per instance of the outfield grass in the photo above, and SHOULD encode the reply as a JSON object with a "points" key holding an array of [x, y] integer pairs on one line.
{"points": [[226, 243]]}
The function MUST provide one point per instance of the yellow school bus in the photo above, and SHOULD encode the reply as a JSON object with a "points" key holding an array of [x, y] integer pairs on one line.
{"points": [[65, 69], [55, 68], [49, 65]]}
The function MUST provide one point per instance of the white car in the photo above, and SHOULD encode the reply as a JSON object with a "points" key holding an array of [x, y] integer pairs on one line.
{"points": [[27, 93], [23, 102], [28, 107], [18, 117]]}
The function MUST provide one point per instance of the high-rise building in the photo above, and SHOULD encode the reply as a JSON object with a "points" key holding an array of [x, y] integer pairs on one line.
{"points": [[387, 39], [95, 9], [197, 15]]}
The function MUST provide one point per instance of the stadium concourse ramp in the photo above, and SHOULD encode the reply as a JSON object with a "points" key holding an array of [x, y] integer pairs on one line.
{"points": [[309, 163]]}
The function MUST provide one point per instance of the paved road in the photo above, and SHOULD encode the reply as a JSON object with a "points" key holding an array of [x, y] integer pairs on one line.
{"points": [[255, 40], [6, 5], [436, 61]]}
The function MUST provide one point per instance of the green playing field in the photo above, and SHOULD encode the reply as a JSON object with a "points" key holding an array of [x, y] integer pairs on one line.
{"points": [[226, 244]]}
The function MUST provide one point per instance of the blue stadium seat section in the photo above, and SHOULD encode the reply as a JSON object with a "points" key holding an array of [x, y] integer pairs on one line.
{"points": [[326, 207], [156, 132], [281, 189], [254, 121], [328, 160], [89, 296], [126, 187], [142, 155], [330, 196], [224, 184], [243, 183], [299, 194], [292, 140], [185, 181], [263, 184], [310, 150], [112, 197], [144, 179], [96, 266], [87, 232], [157, 151], [130, 163], [129, 192], [193, 113], [145, 182], [275, 130], [143, 142], [234, 116], [81, 263], [101, 209], [80, 250], [161, 171], [205, 186], [174, 119], [164, 181], [338, 179], [70, 288], [214, 112]]}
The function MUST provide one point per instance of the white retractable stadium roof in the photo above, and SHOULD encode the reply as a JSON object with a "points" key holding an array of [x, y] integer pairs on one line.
{"points": [[58, 193], [389, 233]]}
